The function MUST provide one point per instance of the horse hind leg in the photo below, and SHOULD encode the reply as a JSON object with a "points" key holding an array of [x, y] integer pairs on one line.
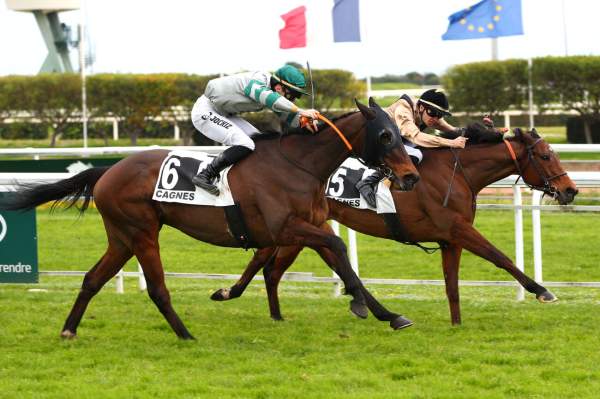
{"points": [[273, 271], [450, 263], [111, 262], [259, 259]]}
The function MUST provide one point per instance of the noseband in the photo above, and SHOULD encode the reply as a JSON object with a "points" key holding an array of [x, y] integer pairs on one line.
{"points": [[547, 187]]}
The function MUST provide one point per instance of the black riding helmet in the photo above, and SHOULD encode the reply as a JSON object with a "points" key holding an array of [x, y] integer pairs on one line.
{"points": [[435, 100]]}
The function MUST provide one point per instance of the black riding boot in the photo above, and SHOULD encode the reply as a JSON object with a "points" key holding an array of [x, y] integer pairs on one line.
{"points": [[366, 187], [205, 179]]}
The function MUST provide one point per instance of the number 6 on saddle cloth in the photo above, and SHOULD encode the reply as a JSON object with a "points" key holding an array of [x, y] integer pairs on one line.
{"points": [[174, 185]]}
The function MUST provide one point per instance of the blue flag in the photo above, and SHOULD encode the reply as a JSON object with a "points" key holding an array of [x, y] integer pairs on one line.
{"points": [[488, 18], [346, 23]]}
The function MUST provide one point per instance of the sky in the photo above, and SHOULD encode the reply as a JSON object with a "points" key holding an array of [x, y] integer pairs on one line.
{"points": [[227, 36]]}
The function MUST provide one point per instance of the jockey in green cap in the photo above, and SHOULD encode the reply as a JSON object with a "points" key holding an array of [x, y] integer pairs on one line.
{"points": [[215, 113]]}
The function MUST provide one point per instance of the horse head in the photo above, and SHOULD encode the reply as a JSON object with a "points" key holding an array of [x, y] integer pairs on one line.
{"points": [[542, 169], [384, 149]]}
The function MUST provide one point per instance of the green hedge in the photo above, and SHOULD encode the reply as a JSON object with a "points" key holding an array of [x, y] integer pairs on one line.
{"points": [[55, 99], [572, 83], [487, 87]]}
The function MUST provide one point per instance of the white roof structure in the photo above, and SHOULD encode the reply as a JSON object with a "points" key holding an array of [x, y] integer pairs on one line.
{"points": [[43, 5]]}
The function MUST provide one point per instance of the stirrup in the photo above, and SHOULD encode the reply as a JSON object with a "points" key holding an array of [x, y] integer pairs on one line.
{"points": [[368, 193], [204, 183]]}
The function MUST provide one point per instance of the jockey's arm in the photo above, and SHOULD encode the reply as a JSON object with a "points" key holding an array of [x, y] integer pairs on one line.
{"points": [[444, 126], [408, 129], [283, 107]]}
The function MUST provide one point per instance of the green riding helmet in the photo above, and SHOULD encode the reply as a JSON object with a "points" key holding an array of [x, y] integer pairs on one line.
{"points": [[291, 78]]}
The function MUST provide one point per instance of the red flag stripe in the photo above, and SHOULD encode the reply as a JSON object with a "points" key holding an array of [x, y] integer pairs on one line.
{"points": [[294, 33]]}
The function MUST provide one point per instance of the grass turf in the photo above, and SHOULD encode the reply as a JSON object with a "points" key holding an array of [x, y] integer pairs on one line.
{"points": [[125, 348]]}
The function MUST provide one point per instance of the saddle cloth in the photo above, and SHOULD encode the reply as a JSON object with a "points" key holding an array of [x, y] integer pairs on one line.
{"points": [[171, 186], [341, 187]]}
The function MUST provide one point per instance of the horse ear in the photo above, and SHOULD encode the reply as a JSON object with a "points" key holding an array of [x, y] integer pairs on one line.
{"points": [[366, 111], [373, 103], [535, 134], [518, 133]]}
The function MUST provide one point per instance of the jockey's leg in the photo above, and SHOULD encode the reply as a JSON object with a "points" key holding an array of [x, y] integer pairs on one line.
{"points": [[206, 178], [366, 187], [225, 130]]}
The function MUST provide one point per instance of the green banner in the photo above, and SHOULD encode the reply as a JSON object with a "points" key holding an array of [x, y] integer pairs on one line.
{"points": [[18, 246]]}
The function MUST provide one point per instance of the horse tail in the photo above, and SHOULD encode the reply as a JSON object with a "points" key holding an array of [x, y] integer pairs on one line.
{"points": [[67, 191]]}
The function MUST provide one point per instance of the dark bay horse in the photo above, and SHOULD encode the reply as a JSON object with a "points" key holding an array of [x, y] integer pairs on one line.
{"points": [[425, 218], [280, 189]]}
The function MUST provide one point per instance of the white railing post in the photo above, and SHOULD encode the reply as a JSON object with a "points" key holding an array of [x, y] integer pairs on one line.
{"points": [[352, 250], [337, 287], [176, 134], [115, 129], [536, 200], [506, 120], [119, 282], [141, 279], [519, 253]]}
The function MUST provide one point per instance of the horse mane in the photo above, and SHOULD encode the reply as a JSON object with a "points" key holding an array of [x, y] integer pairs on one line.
{"points": [[271, 134], [478, 133]]}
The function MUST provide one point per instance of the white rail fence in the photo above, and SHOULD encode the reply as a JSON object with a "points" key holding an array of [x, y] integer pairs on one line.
{"points": [[582, 179]]}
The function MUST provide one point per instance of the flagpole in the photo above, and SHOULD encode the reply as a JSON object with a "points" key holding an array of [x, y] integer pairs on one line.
{"points": [[362, 16], [494, 49], [564, 27], [84, 113], [530, 89]]}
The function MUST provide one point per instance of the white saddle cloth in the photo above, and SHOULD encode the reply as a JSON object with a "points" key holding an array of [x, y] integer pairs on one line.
{"points": [[341, 187], [171, 186]]}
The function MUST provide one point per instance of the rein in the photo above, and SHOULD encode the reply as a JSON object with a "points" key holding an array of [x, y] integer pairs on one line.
{"points": [[546, 188], [341, 136], [457, 163]]}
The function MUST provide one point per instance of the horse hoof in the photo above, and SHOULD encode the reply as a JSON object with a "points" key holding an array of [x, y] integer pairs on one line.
{"points": [[359, 309], [221, 295], [277, 318], [547, 297], [67, 334], [400, 322]]}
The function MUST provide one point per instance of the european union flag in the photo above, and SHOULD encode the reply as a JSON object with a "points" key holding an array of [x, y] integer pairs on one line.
{"points": [[488, 18]]}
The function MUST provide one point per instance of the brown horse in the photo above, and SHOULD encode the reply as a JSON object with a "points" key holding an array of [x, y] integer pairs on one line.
{"points": [[280, 189], [425, 218]]}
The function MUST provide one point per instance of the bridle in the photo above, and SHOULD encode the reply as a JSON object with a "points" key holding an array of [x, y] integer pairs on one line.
{"points": [[385, 170], [547, 187]]}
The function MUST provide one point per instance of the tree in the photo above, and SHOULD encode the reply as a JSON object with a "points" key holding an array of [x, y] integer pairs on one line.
{"points": [[573, 82]]}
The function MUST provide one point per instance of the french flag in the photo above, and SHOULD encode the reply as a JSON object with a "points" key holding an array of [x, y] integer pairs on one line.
{"points": [[344, 18]]}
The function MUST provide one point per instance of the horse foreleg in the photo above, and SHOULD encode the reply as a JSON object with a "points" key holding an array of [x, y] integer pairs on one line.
{"points": [[466, 236], [147, 253], [260, 258], [332, 250], [273, 271], [450, 263], [111, 262], [299, 232]]}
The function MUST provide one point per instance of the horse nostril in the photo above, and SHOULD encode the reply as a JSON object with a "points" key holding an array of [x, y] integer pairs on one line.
{"points": [[572, 191], [411, 179]]}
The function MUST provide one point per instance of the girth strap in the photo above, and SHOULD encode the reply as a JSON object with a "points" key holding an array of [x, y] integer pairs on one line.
{"points": [[237, 226], [399, 233]]}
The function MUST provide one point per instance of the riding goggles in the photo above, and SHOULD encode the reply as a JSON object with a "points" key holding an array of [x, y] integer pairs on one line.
{"points": [[434, 113]]}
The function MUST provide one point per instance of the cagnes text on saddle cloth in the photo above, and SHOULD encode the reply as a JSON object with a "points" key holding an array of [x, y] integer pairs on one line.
{"points": [[341, 187], [171, 186]]}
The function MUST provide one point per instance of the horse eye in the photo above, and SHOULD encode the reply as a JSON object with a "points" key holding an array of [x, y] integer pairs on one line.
{"points": [[545, 157], [385, 137]]}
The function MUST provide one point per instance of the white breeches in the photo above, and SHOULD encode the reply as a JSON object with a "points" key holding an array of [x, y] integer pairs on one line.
{"points": [[227, 130], [414, 152]]}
